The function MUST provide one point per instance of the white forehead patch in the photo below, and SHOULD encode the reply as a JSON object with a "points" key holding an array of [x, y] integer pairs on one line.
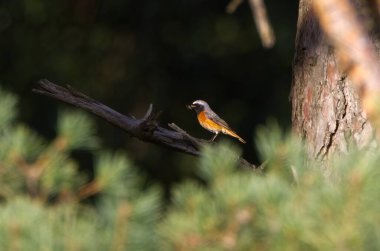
{"points": [[200, 102]]}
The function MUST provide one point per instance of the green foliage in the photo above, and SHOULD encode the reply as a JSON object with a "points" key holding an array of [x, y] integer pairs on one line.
{"points": [[281, 151], [212, 166], [7, 108], [294, 205], [31, 165], [77, 130], [28, 225], [113, 181], [43, 191]]}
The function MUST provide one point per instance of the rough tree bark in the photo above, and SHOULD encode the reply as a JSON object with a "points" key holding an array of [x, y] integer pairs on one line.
{"points": [[326, 109]]}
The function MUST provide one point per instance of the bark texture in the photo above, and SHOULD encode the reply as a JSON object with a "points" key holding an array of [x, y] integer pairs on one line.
{"points": [[326, 109]]}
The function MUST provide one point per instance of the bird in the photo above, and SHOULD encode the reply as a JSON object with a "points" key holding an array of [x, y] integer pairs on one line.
{"points": [[209, 120]]}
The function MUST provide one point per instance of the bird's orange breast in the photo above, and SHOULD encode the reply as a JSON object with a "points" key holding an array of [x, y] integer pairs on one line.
{"points": [[208, 123]]}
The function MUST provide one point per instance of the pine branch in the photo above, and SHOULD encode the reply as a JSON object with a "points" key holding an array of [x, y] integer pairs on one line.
{"points": [[145, 129]]}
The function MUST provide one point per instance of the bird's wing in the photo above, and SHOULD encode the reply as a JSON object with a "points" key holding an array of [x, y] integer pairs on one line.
{"points": [[214, 117]]}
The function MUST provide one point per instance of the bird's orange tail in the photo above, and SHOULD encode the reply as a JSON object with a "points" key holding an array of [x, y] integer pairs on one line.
{"points": [[233, 134]]}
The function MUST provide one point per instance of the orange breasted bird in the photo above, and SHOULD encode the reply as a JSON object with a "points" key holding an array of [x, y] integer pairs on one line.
{"points": [[210, 121]]}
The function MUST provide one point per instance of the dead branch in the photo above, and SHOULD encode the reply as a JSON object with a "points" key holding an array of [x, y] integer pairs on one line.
{"points": [[260, 16], [262, 23], [233, 5], [145, 129]]}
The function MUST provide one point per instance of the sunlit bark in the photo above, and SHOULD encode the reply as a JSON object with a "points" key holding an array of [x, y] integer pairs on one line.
{"points": [[327, 106]]}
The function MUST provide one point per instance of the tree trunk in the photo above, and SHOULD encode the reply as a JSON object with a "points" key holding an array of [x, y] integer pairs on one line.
{"points": [[326, 110]]}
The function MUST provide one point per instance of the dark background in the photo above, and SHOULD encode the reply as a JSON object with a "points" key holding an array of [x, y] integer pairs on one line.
{"points": [[128, 54]]}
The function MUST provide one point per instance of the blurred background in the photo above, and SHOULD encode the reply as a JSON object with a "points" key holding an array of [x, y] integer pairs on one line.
{"points": [[128, 54]]}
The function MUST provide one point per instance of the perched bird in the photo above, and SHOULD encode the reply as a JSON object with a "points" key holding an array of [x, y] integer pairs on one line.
{"points": [[211, 121]]}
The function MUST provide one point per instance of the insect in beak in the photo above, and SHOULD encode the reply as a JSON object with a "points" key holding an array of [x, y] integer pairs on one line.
{"points": [[190, 107]]}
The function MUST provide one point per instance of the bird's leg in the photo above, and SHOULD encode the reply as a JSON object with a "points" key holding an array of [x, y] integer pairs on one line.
{"points": [[213, 137]]}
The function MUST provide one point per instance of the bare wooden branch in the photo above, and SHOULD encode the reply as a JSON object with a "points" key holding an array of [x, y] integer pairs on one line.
{"points": [[262, 23], [259, 14], [233, 5], [145, 129], [378, 6], [196, 142]]}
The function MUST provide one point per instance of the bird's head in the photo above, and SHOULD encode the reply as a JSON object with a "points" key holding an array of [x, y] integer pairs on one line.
{"points": [[198, 106]]}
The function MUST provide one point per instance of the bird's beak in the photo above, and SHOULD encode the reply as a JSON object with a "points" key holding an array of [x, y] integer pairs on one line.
{"points": [[190, 107]]}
